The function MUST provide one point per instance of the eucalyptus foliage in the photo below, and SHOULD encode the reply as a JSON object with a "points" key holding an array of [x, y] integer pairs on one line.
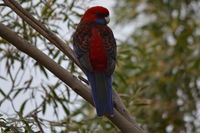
{"points": [[158, 64]]}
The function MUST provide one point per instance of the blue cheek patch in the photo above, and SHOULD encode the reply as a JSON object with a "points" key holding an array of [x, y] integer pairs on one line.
{"points": [[100, 21]]}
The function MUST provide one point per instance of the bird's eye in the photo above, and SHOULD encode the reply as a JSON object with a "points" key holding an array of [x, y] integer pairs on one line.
{"points": [[99, 15]]}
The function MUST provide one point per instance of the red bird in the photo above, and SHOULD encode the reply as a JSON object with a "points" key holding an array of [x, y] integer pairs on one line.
{"points": [[95, 48]]}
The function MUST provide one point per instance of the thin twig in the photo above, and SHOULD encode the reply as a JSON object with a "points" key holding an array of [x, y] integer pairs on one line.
{"points": [[83, 79], [38, 123]]}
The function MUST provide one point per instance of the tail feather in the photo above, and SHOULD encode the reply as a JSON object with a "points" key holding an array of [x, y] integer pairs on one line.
{"points": [[101, 85]]}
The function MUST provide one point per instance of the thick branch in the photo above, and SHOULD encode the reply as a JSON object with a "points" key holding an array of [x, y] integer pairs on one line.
{"points": [[62, 46], [123, 124]]}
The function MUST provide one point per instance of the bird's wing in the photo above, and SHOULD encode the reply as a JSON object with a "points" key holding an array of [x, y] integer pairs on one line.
{"points": [[81, 45], [110, 46]]}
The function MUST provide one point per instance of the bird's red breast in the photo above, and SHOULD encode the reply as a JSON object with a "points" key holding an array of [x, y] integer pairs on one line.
{"points": [[97, 52]]}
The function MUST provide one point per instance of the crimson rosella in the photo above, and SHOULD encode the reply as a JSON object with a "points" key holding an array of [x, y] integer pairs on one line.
{"points": [[95, 48]]}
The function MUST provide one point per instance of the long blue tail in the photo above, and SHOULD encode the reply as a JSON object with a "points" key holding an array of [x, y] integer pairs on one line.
{"points": [[101, 85]]}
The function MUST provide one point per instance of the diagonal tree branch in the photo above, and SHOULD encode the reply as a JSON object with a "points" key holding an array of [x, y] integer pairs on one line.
{"points": [[63, 47], [122, 123], [2, 4]]}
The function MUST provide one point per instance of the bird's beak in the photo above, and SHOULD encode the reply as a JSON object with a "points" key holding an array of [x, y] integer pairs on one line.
{"points": [[107, 19]]}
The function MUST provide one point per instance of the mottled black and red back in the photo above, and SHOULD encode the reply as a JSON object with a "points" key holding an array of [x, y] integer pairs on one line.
{"points": [[95, 47]]}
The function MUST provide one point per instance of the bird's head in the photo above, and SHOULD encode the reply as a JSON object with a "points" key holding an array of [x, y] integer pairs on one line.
{"points": [[97, 14]]}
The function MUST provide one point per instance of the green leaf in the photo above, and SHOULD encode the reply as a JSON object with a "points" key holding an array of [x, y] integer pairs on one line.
{"points": [[56, 54], [22, 107], [3, 124], [44, 71], [2, 93], [1, 77], [65, 108], [44, 107], [17, 92]]}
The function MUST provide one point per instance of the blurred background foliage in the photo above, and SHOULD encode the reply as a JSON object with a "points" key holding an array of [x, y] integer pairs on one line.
{"points": [[158, 63], [157, 73]]}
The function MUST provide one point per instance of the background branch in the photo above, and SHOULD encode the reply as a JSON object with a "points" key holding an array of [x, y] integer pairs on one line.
{"points": [[2, 4]]}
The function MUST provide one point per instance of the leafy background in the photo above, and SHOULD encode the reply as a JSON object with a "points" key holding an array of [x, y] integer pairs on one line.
{"points": [[157, 73]]}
